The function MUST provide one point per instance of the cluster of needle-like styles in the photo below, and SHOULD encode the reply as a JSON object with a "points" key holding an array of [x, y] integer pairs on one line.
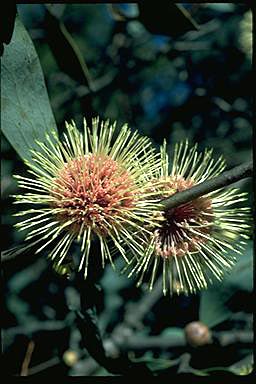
{"points": [[90, 185], [197, 241], [108, 185], [91, 190], [171, 238]]}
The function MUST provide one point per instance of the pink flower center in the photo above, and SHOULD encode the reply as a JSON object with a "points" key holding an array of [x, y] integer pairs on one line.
{"points": [[176, 236], [93, 189]]}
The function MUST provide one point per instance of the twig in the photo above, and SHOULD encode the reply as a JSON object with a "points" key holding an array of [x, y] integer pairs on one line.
{"points": [[164, 342], [88, 323], [12, 253], [226, 338], [39, 326], [209, 27], [27, 359], [125, 332], [226, 178], [145, 343], [43, 366], [98, 84], [184, 363], [64, 40], [191, 45], [135, 313], [87, 367]]}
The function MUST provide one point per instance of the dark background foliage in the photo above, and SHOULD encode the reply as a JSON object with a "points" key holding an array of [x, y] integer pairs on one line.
{"points": [[168, 80]]}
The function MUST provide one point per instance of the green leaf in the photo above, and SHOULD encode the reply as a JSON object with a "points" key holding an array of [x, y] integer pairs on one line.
{"points": [[26, 111], [156, 364], [162, 365], [243, 367], [213, 309], [214, 303], [242, 273]]}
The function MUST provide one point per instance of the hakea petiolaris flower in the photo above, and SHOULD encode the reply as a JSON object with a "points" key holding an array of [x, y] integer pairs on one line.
{"points": [[86, 186], [196, 241]]}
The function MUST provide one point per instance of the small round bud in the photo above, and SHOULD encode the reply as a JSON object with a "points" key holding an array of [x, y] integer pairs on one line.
{"points": [[70, 358], [197, 334], [111, 349]]}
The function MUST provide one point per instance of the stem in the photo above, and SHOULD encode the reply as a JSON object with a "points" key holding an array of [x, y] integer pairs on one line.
{"points": [[87, 322], [137, 342], [39, 326], [136, 313], [45, 365], [226, 178], [27, 359], [226, 338], [60, 40]]}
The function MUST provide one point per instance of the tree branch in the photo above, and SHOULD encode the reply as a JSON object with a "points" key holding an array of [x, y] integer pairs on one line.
{"points": [[45, 365], [165, 342], [133, 321], [135, 313], [39, 326], [74, 63], [141, 344], [226, 178], [87, 322], [238, 336]]}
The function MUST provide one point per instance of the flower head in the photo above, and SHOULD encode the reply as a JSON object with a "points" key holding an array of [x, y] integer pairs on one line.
{"points": [[196, 241], [89, 186]]}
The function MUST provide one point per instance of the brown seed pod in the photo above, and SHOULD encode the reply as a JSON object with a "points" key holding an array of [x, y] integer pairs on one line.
{"points": [[197, 334]]}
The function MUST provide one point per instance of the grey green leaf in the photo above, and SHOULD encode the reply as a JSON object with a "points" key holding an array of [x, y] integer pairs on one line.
{"points": [[214, 307], [26, 111]]}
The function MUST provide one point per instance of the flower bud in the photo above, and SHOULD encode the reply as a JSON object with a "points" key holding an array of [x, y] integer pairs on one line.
{"points": [[197, 334], [70, 358]]}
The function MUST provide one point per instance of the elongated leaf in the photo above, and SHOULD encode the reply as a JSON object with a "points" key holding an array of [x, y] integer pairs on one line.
{"points": [[215, 301], [242, 274], [26, 112], [213, 305]]}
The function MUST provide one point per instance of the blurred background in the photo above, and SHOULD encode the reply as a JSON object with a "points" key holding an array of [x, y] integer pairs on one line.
{"points": [[188, 77]]}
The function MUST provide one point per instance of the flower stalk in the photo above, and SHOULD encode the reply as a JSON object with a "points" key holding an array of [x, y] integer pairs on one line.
{"points": [[231, 176]]}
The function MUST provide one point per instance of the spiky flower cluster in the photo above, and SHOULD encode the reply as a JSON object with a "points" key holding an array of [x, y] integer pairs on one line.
{"points": [[196, 240], [90, 186]]}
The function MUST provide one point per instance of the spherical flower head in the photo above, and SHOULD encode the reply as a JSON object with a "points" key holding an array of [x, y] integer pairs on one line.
{"points": [[90, 190], [196, 241], [90, 185], [170, 238]]}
